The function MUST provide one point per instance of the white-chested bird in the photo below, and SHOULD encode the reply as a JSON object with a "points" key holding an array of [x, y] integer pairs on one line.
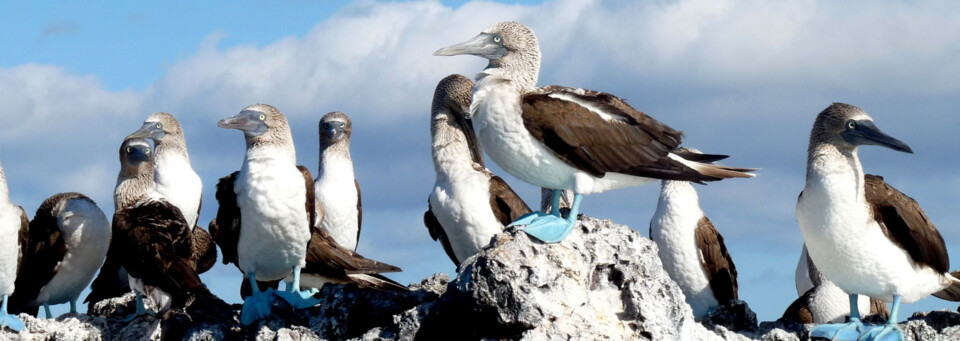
{"points": [[14, 226], [468, 204], [176, 180], [151, 236], [865, 236], [336, 187], [266, 215], [691, 249], [821, 301], [565, 138], [68, 241]]}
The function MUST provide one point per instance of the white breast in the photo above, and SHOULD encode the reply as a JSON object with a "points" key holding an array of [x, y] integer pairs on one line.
{"points": [[461, 203], [9, 247], [86, 232], [500, 130], [179, 184], [849, 247], [274, 231], [829, 304], [337, 192], [673, 228]]}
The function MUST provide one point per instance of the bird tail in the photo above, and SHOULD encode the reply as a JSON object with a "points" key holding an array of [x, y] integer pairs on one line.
{"points": [[951, 292], [717, 172], [378, 281]]}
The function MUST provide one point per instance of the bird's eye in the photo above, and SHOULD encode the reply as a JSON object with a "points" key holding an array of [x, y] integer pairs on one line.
{"points": [[129, 149], [263, 117], [496, 39], [851, 124], [159, 126]]}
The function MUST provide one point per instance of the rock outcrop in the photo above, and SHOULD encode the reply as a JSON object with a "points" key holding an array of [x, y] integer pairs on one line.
{"points": [[603, 282]]}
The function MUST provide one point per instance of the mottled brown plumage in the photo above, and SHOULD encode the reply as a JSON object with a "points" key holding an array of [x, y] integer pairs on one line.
{"points": [[721, 272]]}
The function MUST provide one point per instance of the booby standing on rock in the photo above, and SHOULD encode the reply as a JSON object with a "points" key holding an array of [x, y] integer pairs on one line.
{"points": [[864, 235], [337, 190], [152, 236], [68, 241], [14, 227], [176, 180], [691, 249], [468, 204], [565, 138], [822, 301], [265, 222]]}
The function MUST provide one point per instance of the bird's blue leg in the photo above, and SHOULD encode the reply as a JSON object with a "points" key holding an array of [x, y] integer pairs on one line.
{"points": [[553, 228], [888, 331], [849, 331], [46, 310], [528, 218], [141, 310], [258, 304], [297, 298], [73, 306], [9, 320]]}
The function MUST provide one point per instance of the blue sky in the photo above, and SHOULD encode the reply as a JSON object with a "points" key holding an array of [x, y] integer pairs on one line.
{"points": [[744, 78]]}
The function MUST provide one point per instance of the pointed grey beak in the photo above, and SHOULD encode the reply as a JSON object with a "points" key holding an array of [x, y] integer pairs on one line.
{"points": [[149, 130], [249, 121], [866, 133], [482, 45]]}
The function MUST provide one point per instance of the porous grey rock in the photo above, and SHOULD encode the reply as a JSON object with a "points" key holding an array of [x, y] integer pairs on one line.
{"points": [[604, 281]]}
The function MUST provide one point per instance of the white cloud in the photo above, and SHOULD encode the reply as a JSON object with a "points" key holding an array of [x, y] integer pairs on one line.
{"points": [[740, 77]]}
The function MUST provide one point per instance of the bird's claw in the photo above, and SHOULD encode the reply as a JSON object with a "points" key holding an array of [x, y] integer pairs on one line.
{"points": [[11, 321], [549, 228], [526, 219], [256, 306], [850, 331], [886, 332], [300, 299]]}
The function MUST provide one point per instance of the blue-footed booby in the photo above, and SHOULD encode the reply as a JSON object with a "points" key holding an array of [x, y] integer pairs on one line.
{"points": [[176, 180], [691, 249], [863, 235], [336, 187], [468, 204], [68, 241], [14, 227], [821, 301], [265, 221], [565, 138], [151, 236]]}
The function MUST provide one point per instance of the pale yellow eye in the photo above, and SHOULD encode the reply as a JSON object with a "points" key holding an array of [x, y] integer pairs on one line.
{"points": [[262, 117], [496, 39], [129, 149], [159, 126]]}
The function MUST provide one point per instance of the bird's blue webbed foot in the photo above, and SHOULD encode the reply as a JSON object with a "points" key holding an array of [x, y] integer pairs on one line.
{"points": [[141, 310], [849, 331], [553, 228], [258, 305], [886, 332], [9, 320], [526, 219], [298, 299]]}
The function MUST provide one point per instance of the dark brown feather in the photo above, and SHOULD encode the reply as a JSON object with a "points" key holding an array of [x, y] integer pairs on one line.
{"points": [[721, 272], [505, 203], [204, 249], [23, 237], [438, 233], [905, 224], [225, 228], [42, 252], [157, 246], [799, 310], [359, 211]]}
